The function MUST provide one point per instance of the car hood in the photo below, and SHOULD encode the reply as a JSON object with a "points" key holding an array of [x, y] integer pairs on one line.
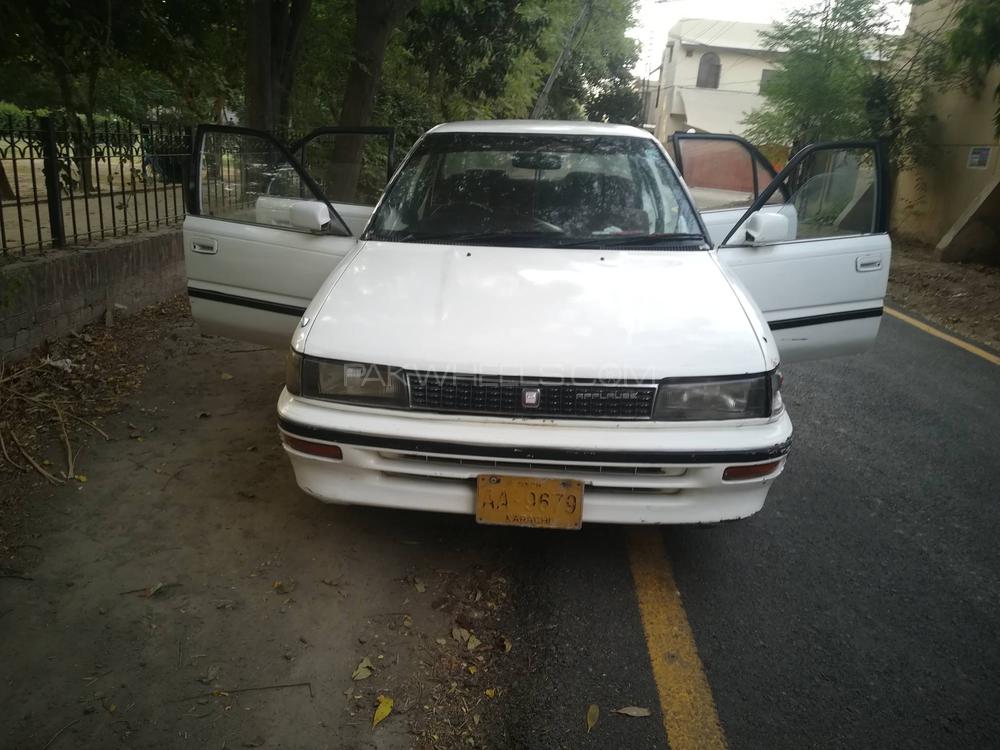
{"points": [[535, 312]]}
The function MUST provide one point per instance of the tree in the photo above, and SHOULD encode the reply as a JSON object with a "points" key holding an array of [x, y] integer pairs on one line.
{"points": [[974, 45], [189, 62], [375, 20], [73, 42], [843, 75], [274, 33], [578, 28], [468, 49], [596, 68], [614, 96]]}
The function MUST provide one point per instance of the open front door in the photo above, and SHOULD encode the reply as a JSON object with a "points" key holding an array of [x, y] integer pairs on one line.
{"points": [[817, 262], [351, 167], [260, 236], [725, 174]]}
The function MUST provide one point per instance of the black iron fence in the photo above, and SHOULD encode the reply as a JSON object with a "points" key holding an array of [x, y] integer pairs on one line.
{"points": [[62, 183]]}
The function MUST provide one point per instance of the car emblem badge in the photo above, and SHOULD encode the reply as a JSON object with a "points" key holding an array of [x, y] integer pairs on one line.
{"points": [[530, 397]]}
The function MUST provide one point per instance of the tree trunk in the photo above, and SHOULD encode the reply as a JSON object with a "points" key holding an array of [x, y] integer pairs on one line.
{"points": [[258, 66], [287, 39], [376, 20], [275, 29]]}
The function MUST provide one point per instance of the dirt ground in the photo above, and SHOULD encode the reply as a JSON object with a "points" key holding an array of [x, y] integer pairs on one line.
{"points": [[181, 591], [961, 297]]}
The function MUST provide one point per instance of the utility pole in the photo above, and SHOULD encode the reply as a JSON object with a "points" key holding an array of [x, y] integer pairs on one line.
{"points": [[543, 98]]}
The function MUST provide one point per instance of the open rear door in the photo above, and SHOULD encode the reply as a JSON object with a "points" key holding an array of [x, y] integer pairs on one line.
{"points": [[260, 236], [725, 174], [816, 262]]}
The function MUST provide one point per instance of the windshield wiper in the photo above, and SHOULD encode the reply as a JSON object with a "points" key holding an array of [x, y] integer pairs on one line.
{"points": [[635, 240], [481, 237]]}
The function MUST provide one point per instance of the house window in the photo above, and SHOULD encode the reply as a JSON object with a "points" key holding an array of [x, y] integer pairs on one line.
{"points": [[766, 76], [709, 70], [690, 53], [670, 52]]}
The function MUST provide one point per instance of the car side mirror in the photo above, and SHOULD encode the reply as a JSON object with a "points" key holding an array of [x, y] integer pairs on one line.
{"points": [[766, 227], [312, 216]]}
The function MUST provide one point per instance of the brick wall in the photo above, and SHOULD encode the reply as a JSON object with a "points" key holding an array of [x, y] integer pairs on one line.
{"points": [[47, 297]]}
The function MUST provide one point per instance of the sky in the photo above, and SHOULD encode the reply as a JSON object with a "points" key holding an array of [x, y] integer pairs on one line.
{"points": [[655, 19]]}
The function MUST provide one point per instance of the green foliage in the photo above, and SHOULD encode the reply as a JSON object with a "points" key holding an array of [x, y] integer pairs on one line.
{"points": [[974, 45], [842, 75], [184, 60], [15, 116], [595, 82]]}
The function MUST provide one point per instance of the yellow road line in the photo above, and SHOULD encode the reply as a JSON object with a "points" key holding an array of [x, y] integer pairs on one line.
{"points": [[689, 716], [988, 356]]}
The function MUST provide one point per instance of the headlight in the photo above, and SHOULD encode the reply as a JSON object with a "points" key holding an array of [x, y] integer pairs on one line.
{"points": [[293, 373], [354, 382], [714, 398], [777, 403]]}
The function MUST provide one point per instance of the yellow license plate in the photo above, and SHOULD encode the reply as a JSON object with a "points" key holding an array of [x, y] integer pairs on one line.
{"points": [[527, 501]]}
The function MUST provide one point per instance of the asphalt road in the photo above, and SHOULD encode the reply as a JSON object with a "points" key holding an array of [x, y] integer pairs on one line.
{"points": [[860, 608]]}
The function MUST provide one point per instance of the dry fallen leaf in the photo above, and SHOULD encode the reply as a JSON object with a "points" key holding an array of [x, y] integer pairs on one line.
{"points": [[226, 376], [419, 585], [440, 641], [507, 644], [631, 711], [364, 670], [592, 713], [383, 709], [491, 692], [473, 642], [407, 621], [460, 634]]}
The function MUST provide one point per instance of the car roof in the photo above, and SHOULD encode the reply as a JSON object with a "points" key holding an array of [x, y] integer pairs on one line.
{"points": [[541, 127]]}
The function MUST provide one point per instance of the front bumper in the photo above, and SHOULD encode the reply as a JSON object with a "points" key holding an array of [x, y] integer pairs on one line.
{"points": [[634, 472]]}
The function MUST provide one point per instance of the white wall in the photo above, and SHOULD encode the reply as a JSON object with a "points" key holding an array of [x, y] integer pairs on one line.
{"points": [[741, 71]]}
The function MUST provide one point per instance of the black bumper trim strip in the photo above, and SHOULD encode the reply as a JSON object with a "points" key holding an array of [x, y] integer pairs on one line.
{"points": [[252, 302], [813, 320], [411, 445]]}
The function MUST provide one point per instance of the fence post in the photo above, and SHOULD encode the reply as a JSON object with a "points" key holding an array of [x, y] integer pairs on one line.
{"points": [[188, 170], [50, 155]]}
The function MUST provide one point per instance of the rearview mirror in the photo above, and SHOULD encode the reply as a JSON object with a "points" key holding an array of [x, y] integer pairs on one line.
{"points": [[312, 216], [764, 228], [535, 160]]}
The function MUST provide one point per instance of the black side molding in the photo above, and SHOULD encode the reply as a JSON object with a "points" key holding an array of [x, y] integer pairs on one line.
{"points": [[256, 304], [812, 320], [410, 445]]}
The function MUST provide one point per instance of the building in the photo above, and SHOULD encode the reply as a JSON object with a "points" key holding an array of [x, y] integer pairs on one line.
{"points": [[710, 77], [953, 202]]}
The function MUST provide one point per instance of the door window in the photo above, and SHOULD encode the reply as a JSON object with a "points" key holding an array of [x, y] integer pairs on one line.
{"points": [[828, 191], [247, 176], [349, 167], [833, 193], [722, 172]]}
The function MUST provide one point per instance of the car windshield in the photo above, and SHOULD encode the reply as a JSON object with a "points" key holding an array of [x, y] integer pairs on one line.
{"points": [[537, 191]]}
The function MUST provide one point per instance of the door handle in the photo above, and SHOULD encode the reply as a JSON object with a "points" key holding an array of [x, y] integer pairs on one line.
{"points": [[205, 246], [865, 263]]}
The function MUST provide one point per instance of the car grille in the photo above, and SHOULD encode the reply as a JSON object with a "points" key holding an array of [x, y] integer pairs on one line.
{"points": [[469, 394]]}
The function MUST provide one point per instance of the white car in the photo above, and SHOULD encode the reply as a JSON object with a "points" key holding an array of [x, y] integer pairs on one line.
{"points": [[534, 324]]}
